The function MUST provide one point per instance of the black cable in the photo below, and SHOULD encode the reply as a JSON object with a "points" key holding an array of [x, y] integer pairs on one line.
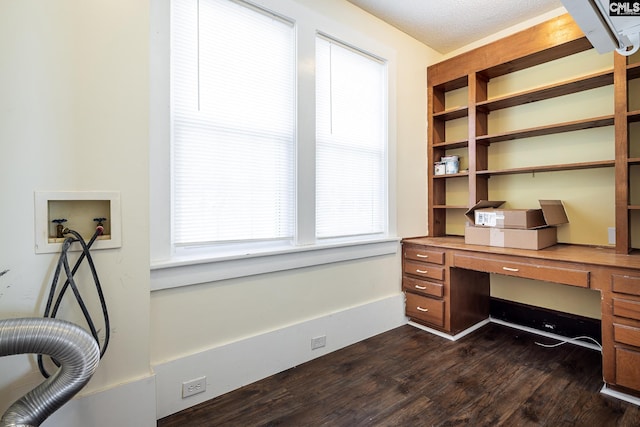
{"points": [[75, 267], [63, 263], [52, 290], [96, 281], [76, 292]]}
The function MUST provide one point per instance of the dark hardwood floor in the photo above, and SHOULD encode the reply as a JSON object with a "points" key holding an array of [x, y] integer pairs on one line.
{"points": [[496, 376]]}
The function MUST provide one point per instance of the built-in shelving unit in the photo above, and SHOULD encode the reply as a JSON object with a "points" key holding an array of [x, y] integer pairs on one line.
{"points": [[473, 71]]}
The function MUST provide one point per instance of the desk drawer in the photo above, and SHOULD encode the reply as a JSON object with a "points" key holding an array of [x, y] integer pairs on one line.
{"points": [[426, 309], [626, 284], [565, 276], [626, 335], [424, 270], [430, 255], [423, 287], [626, 308]]}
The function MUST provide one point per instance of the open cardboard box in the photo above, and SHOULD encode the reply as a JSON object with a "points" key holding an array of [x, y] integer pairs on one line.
{"points": [[526, 229], [486, 214]]}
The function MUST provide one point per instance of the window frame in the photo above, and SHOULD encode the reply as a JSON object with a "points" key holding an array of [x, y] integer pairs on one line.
{"points": [[171, 268]]}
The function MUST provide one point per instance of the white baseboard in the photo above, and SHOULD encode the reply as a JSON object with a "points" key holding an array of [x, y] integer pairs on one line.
{"points": [[619, 395], [447, 336], [243, 362], [129, 404]]}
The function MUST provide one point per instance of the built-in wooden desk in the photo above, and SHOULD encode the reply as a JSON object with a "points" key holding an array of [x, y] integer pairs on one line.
{"points": [[446, 284]]}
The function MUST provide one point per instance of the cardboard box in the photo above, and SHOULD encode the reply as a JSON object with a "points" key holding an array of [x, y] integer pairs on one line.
{"points": [[540, 237], [506, 218], [485, 214], [523, 219]]}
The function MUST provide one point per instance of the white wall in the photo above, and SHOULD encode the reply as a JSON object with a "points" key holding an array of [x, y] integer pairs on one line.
{"points": [[74, 115]]}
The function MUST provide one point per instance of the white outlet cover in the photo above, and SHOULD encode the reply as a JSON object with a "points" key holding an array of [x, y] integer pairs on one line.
{"points": [[194, 386], [318, 342]]}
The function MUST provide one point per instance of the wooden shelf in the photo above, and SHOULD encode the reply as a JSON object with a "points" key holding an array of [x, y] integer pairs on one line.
{"points": [[634, 207], [451, 175], [580, 84], [453, 144], [550, 168], [547, 130], [633, 116], [450, 207], [454, 84], [556, 51], [634, 160], [452, 114]]}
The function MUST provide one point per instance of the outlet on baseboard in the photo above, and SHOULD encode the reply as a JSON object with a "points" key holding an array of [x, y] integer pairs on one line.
{"points": [[194, 386], [611, 231], [318, 342]]}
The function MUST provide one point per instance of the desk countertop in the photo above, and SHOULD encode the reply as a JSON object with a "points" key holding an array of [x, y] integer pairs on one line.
{"points": [[594, 255]]}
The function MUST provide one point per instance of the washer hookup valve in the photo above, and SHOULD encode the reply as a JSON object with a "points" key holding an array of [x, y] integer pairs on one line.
{"points": [[59, 227], [100, 225]]}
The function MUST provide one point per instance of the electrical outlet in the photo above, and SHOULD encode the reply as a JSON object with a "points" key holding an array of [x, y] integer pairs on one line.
{"points": [[611, 232], [318, 342], [194, 386]]}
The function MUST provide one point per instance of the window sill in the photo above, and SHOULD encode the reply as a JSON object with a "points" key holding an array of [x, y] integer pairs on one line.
{"points": [[191, 271]]}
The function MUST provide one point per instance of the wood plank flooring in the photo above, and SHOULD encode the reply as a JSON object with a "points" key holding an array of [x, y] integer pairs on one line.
{"points": [[496, 376]]}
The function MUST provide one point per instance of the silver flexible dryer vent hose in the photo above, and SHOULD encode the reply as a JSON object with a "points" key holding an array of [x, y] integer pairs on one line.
{"points": [[71, 346]]}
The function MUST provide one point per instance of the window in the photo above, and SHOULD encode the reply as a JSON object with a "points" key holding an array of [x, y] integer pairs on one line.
{"points": [[351, 141], [233, 87], [257, 126]]}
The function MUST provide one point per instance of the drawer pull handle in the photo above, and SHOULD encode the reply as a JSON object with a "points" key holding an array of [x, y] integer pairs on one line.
{"points": [[422, 256], [421, 271], [422, 288], [422, 309], [511, 269]]}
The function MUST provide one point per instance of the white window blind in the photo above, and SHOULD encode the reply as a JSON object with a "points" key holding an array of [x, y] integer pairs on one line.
{"points": [[233, 111], [350, 142]]}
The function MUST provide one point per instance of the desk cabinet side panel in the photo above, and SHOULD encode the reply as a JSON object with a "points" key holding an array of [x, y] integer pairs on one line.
{"points": [[608, 346], [470, 298]]}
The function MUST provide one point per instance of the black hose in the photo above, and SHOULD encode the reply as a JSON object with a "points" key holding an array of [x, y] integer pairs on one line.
{"points": [[51, 309]]}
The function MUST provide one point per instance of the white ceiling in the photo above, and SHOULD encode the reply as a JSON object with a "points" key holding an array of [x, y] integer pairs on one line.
{"points": [[446, 25]]}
